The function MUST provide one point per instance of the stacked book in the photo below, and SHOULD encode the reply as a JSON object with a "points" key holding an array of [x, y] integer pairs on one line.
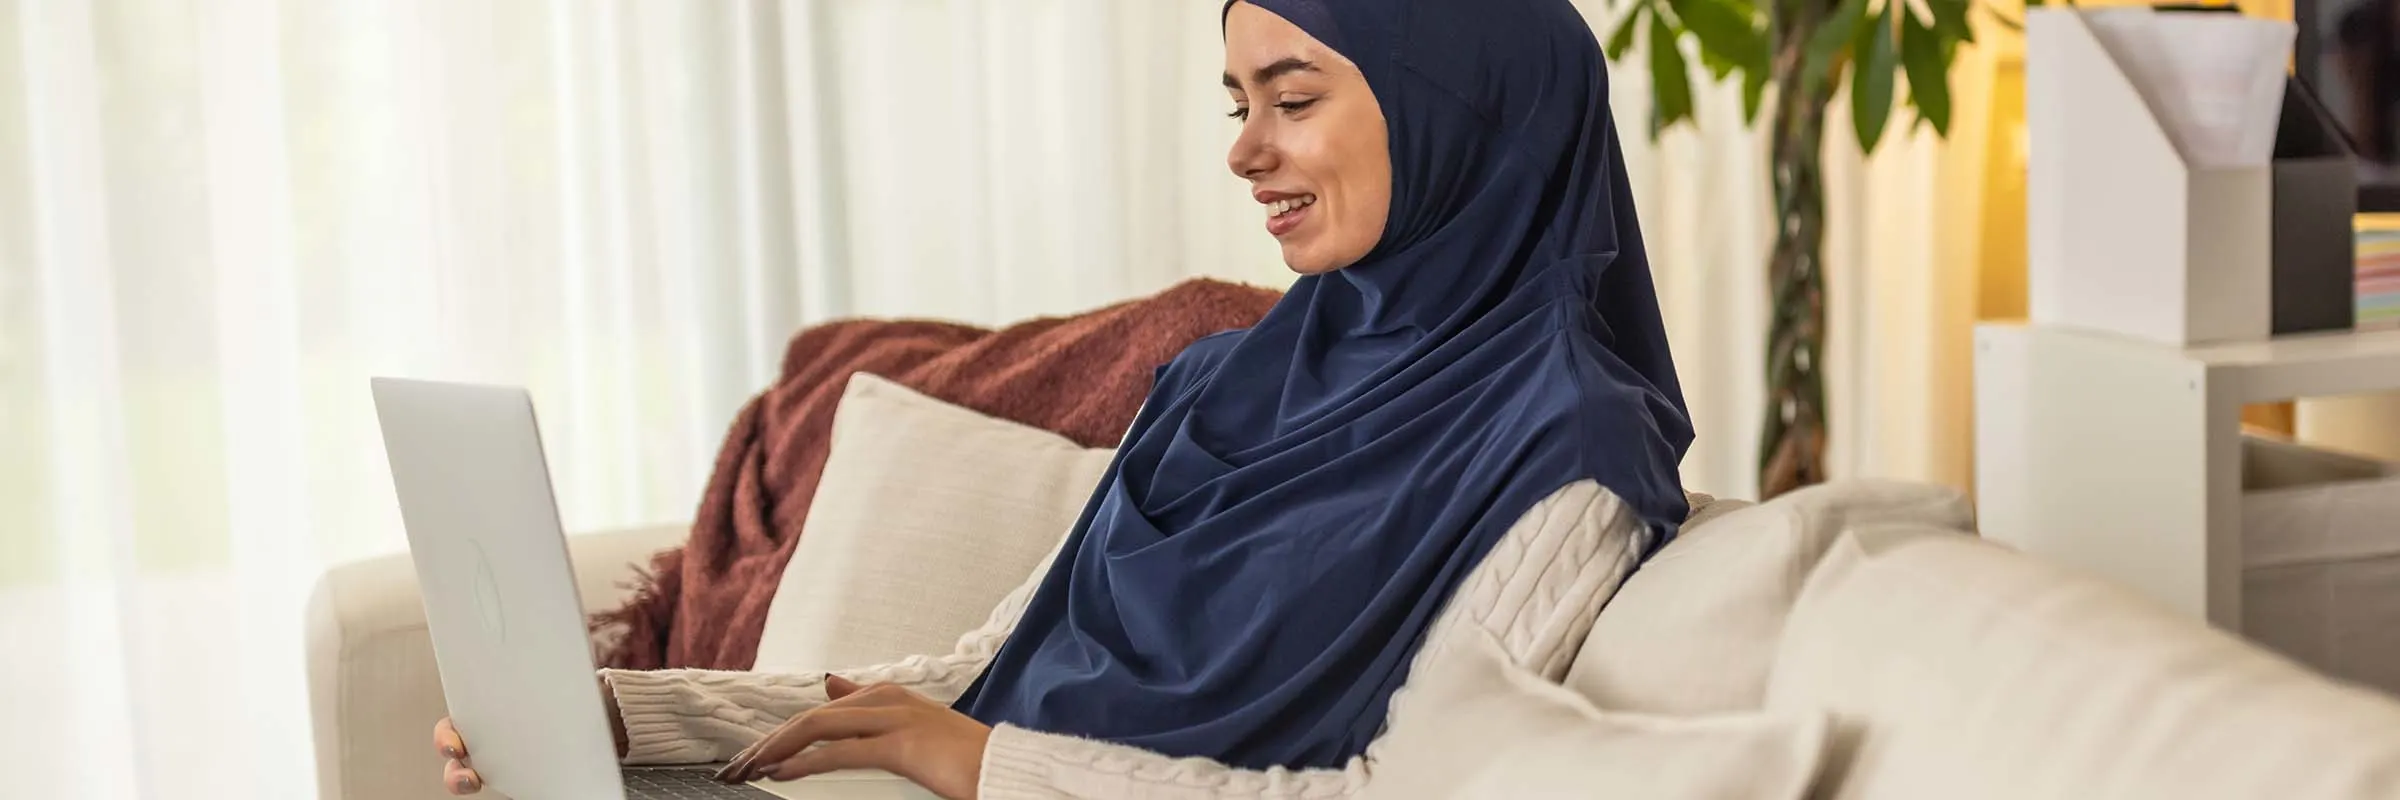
{"points": [[2378, 278]]}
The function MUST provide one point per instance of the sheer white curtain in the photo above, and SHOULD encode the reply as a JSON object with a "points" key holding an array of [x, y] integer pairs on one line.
{"points": [[219, 217]]}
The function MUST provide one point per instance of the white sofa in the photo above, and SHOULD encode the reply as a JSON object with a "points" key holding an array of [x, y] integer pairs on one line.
{"points": [[1951, 668]]}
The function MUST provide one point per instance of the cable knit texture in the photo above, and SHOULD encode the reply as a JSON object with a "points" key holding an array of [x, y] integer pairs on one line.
{"points": [[1537, 592], [692, 716]]}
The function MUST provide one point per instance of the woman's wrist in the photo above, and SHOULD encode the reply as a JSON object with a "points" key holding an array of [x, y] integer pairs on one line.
{"points": [[616, 718]]}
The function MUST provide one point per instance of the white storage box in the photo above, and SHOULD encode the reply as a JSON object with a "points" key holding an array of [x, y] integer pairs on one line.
{"points": [[2126, 234], [2321, 559]]}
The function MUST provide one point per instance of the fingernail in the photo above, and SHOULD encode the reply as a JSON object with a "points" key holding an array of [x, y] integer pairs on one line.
{"points": [[450, 751]]}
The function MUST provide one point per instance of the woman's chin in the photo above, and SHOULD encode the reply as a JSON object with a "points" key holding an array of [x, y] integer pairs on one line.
{"points": [[1316, 252], [1301, 261]]}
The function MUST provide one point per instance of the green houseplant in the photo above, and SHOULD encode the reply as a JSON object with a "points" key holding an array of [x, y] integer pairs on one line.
{"points": [[1790, 57]]}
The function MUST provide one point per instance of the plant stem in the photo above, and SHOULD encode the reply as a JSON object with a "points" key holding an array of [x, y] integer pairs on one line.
{"points": [[1792, 440]]}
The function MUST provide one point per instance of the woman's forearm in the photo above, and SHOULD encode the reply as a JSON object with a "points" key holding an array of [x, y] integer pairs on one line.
{"points": [[690, 716]]}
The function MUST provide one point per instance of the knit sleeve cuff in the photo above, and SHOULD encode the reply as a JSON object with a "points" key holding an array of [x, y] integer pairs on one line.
{"points": [[670, 718], [1014, 766]]}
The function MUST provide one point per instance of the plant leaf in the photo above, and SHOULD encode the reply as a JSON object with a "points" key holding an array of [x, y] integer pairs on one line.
{"points": [[1921, 50], [1950, 19], [1670, 79], [1729, 38], [1622, 40], [1718, 65], [1754, 88], [1871, 76], [1830, 39]]}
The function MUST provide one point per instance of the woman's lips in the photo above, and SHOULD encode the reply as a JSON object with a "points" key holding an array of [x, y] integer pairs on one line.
{"points": [[1280, 225], [1289, 220]]}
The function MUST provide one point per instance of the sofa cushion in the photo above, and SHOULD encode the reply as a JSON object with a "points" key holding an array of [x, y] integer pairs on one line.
{"points": [[927, 515], [1959, 669], [1472, 725], [1695, 628]]}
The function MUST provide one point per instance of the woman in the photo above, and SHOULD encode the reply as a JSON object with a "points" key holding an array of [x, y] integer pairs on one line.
{"points": [[1472, 363]]}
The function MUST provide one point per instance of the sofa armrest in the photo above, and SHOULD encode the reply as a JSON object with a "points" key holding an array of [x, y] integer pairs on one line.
{"points": [[373, 691]]}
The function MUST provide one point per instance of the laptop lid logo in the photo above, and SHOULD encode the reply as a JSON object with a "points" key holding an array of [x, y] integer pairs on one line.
{"points": [[487, 596]]}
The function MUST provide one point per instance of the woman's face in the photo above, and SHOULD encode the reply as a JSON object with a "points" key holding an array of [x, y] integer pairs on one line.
{"points": [[1312, 144]]}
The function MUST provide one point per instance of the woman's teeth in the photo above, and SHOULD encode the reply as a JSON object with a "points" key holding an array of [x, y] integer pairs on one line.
{"points": [[1282, 207]]}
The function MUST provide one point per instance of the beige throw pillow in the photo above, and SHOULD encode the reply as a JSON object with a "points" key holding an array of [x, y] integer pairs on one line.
{"points": [[1471, 725], [927, 515], [1694, 630]]}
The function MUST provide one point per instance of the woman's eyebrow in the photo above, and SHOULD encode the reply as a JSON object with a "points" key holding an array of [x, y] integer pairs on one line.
{"points": [[1272, 71]]}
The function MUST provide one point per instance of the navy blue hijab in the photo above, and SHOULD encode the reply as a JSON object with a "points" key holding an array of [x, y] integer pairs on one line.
{"points": [[1297, 501]]}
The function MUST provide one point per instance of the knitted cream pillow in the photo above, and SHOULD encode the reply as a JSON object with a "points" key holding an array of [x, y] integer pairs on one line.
{"points": [[927, 515]]}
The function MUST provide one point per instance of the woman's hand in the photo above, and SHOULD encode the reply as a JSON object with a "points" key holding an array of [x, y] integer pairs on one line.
{"points": [[459, 776], [875, 727]]}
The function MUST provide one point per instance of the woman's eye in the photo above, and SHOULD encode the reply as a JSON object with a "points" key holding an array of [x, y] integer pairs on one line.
{"points": [[1288, 107], [1296, 106]]}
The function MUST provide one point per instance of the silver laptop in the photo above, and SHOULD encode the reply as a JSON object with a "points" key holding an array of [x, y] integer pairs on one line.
{"points": [[500, 599]]}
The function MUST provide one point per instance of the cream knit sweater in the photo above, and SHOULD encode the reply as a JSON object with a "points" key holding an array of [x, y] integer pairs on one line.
{"points": [[1536, 594]]}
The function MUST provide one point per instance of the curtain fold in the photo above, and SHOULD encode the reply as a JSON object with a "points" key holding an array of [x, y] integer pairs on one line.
{"points": [[218, 218]]}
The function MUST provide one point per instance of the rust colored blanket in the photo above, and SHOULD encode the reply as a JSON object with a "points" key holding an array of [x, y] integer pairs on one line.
{"points": [[703, 604]]}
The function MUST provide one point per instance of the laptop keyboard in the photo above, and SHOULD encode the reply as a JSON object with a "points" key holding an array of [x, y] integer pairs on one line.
{"points": [[682, 784]]}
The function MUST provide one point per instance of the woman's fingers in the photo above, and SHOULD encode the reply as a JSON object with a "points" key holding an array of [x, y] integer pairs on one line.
{"points": [[822, 725], [872, 753], [460, 778], [744, 756], [457, 775], [741, 762], [881, 694], [447, 741], [844, 693]]}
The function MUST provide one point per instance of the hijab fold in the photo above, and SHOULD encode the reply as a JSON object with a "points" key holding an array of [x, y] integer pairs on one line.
{"points": [[1296, 501]]}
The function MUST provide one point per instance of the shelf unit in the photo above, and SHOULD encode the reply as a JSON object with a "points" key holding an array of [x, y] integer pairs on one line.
{"points": [[2123, 457]]}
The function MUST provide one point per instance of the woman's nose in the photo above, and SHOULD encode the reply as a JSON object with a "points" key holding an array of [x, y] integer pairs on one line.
{"points": [[1250, 157]]}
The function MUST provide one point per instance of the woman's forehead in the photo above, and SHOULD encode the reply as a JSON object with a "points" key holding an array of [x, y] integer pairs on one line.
{"points": [[1260, 46]]}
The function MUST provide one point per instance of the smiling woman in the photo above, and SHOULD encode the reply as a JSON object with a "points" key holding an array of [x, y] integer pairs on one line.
{"points": [[1313, 144]]}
